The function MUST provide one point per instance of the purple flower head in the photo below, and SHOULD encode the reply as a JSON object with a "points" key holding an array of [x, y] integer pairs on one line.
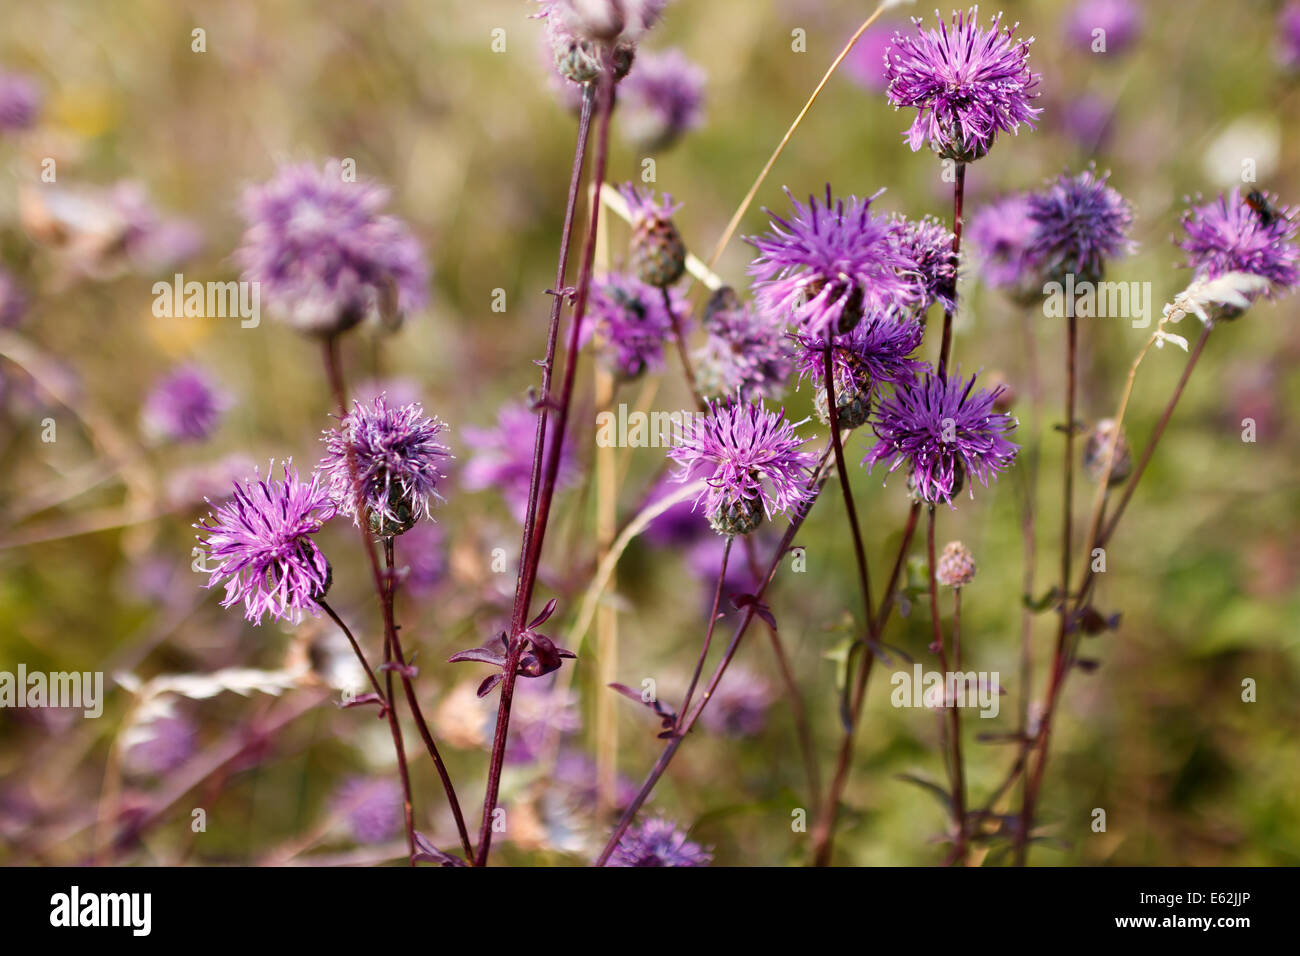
{"points": [[1119, 23], [502, 457], [631, 323], [1229, 235], [739, 706], [1288, 32], [398, 459], [13, 301], [746, 352], [20, 102], [928, 243], [661, 99], [876, 352], [657, 842], [944, 431], [184, 406], [1080, 223], [325, 256], [371, 806], [967, 84], [1000, 235], [829, 263], [260, 539], [581, 31], [751, 461]]}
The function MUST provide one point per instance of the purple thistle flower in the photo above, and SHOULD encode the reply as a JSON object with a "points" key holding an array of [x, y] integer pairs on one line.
{"points": [[502, 457], [928, 243], [1227, 235], [745, 353], [967, 85], [20, 102], [830, 263], [183, 406], [1000, 234], [398, 460], [661, 99], [739, 706], [751, 460], [657, 842], [944, 430], [1288, 32], [325, 256], [1120, 22], [631, 323], [1080, 223], [876, 352], [13, 301], [371, 806], [261, 539]]}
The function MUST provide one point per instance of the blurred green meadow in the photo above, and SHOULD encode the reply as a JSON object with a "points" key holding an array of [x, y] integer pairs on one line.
{"points": [[96, 551]]}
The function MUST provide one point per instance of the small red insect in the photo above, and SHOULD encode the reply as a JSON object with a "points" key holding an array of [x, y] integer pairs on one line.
{"points": [[1257, 201]]}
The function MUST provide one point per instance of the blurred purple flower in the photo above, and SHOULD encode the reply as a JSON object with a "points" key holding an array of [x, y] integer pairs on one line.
{"points": [[1080, 224], [944, 431], [1120, 23], [967, 85], [661, 99], [159, 746], [631, 322], [372, 808], [20, 102], [424, 552], [751, 461], [739, 706], [1000, 236], [325, 256], [151, 241], [1086, 119], [831, 262], [746, 352], [502, 457], [1227, 235], [658, 842], [542, 714], [866, 61], [576, 772], [184, 406], [399, 462], [261, 539], [1288, 33], [13, 301], [677, 526]]}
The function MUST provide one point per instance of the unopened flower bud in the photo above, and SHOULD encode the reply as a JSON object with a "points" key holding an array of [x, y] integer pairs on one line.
{"points": [[737, 516], [1097, 449], [955, 567]]}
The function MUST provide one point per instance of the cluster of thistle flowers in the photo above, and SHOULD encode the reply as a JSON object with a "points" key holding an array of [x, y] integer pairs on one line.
{"points": [[382, 465], [327, 258]]}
